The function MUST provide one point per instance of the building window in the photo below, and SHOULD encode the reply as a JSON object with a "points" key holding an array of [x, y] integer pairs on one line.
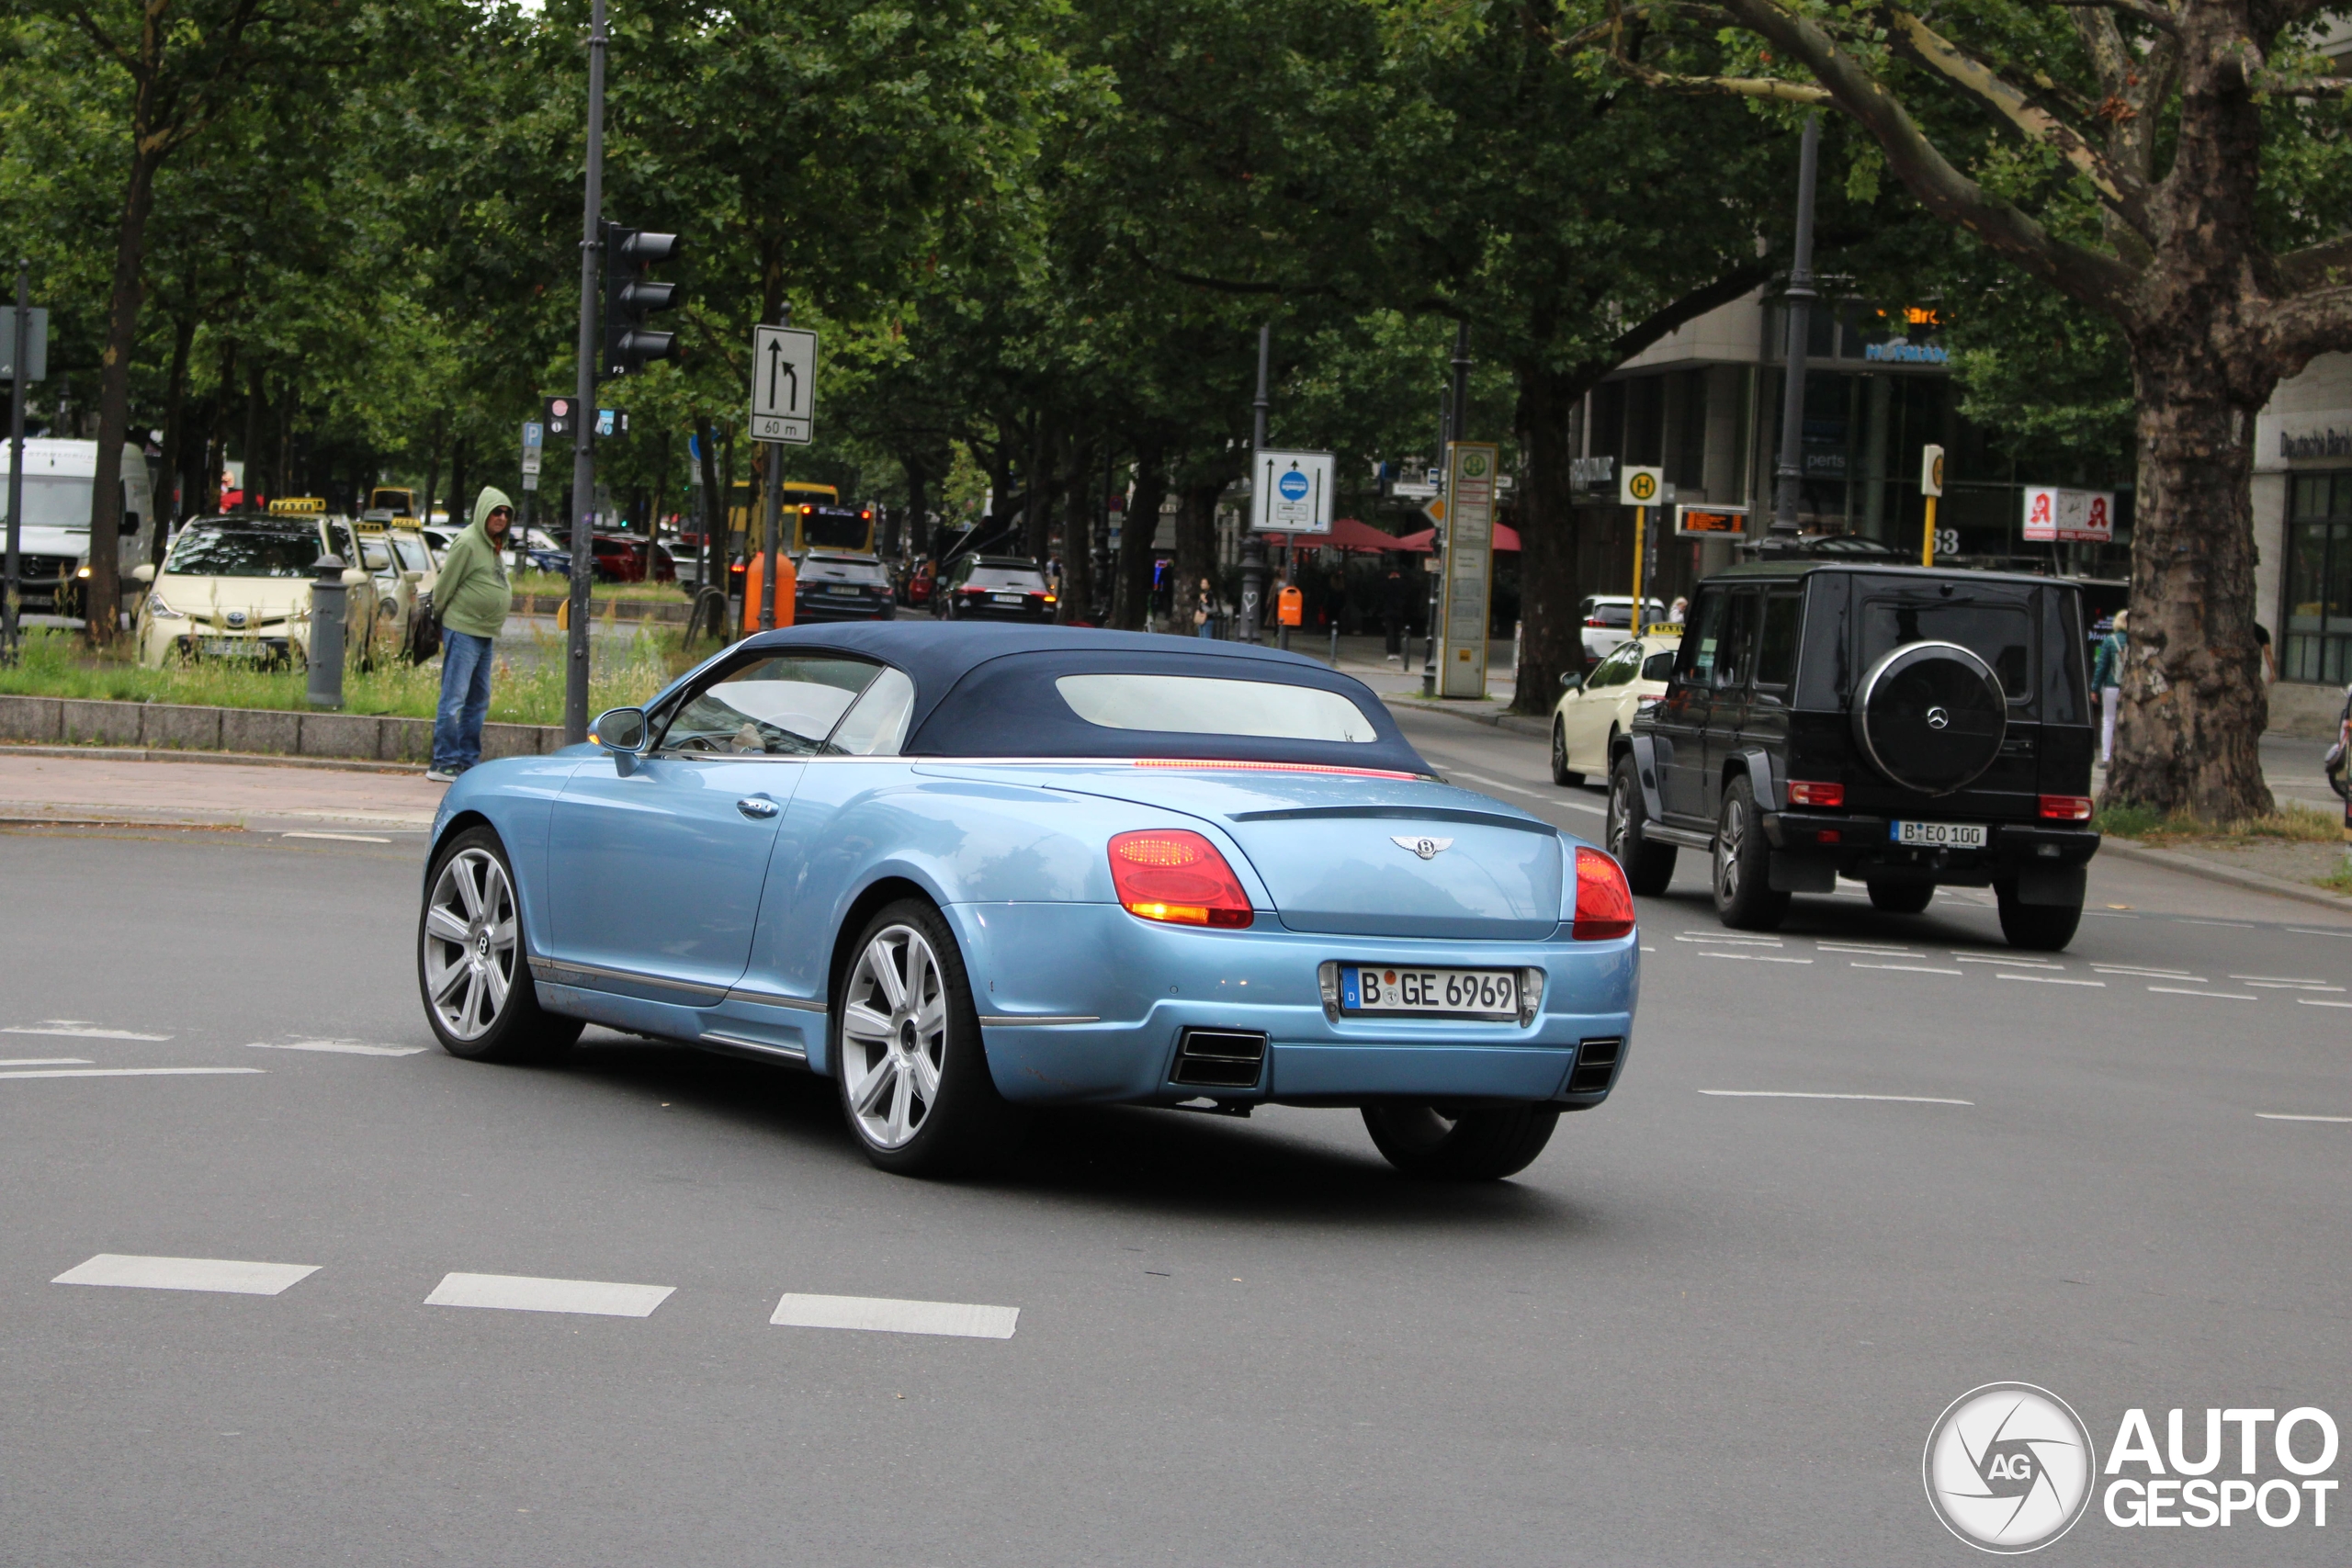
{"points": [[2318, 644]]}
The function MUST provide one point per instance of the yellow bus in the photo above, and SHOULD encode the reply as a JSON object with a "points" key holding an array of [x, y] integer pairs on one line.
{"points": [[813, 519]]}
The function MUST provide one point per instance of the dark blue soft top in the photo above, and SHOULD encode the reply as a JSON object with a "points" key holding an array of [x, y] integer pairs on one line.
{"points": [[987, 691]]}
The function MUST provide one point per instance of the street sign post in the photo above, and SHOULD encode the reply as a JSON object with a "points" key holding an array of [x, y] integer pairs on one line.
{"points": [[1466, 609], [1640, 489], [36, 347], [1931, 487], [784, 385], [1290, 492]]}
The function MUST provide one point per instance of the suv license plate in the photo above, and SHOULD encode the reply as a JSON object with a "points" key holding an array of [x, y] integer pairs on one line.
{"points": [[1004, 598], [1940, 835], [1483, 993]]}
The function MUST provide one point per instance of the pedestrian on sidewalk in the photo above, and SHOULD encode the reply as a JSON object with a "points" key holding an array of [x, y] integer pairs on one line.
{"points": [[1396, 600], [1205, 612], [2107, 679], [472, 596]]}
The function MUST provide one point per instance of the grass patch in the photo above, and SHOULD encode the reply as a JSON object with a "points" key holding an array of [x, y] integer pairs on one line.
{"points": [[2292, 822], [554, 584], [621, 672]]}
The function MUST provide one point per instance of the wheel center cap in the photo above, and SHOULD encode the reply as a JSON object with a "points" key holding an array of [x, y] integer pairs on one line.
{"points": [[907, 1035]]}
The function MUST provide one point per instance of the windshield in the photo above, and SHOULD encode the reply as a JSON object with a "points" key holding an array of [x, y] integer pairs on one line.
{"points": [[411, 549], [244, 552], [1197, 705], [2000, 635], [779, 706], [52, 501]]}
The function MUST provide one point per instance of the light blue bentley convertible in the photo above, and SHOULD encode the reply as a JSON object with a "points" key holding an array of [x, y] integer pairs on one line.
{"points": [[962, 869]]}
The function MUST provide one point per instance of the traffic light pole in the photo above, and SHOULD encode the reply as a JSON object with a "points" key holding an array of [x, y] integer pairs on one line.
{"points": [[583, 436]]}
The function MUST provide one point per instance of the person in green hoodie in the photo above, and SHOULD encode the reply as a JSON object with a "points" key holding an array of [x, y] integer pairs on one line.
{"points": [[472, 597]]}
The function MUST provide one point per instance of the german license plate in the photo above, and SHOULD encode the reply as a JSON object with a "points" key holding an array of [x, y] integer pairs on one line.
{"points": [[1005, 598], [1485, 993], [233, 647], [1940, 835]]}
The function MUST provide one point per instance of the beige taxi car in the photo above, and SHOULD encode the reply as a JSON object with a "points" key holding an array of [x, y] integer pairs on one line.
{"points": [[239, 587], [1595, 708]]}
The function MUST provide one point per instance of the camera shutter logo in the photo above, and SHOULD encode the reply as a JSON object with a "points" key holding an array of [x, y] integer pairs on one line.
{"points": [[2008, 1468]]}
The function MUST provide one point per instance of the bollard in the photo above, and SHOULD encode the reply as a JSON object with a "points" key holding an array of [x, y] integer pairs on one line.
{"points": [[327, 596], [1335, 645]]}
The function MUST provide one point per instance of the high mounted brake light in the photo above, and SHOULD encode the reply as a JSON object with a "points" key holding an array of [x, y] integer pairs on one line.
{"points": [[1171, 875], [1213, 763], [1604, 903]]}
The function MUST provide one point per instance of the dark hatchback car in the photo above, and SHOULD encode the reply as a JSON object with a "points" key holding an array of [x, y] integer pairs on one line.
{"points": [[1905, 728], [841, 587], [995, 588]]}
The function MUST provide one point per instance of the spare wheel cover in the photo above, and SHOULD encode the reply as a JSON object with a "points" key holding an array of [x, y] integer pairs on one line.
{"points": [[1930, 716]]}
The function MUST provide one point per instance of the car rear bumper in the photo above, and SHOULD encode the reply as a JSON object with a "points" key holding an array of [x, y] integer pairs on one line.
{"points": [[843, 610], [1858, 847]]}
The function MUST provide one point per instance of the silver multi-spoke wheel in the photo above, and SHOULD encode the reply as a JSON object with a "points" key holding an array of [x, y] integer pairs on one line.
{"points": [[469, 943], [894, 1036], [1728, 845]]}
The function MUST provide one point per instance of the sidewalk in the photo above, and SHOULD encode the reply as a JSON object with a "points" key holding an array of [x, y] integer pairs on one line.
{"points": [[76, 791]]}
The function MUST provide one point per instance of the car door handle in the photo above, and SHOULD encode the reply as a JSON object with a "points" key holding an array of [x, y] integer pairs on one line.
{"points": [[753, 806]]}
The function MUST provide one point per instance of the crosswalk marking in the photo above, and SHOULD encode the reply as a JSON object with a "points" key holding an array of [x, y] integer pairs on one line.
{"points": [[222, 1274], [885, 1316], [519, 1292]]}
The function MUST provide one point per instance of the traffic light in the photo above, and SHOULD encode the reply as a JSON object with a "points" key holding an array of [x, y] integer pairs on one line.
{"points": [[630, 297]]}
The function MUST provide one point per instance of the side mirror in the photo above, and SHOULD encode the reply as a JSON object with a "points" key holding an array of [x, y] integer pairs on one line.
{"points": [[142, 573], [411, 577], [1572, 681], [353, 577], [619, 729]]}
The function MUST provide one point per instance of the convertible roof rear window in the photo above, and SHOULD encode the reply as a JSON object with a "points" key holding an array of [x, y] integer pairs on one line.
{"points": [[1197, 704]]}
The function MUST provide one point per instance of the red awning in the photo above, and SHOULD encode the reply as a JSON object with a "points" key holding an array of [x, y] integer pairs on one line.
{"points": [[1347, 534], [1506, 540]]}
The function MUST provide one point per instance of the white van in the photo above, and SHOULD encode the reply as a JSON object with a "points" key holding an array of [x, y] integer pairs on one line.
{"points": [[54, 536]]}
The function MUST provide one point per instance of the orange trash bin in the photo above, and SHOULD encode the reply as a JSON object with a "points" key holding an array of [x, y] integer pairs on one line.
{"points": [[787, 581], [1291, 607]]}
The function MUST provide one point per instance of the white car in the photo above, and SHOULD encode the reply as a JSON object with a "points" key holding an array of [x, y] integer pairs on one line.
{"points": [[53, 542], [1596, 709], [1609, 620]]}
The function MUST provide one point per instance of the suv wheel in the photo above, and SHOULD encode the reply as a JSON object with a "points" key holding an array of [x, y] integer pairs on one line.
{"points": [[2038, 927], [1561, 773], [1744, 896], [1900, 896], [1648, 867]]}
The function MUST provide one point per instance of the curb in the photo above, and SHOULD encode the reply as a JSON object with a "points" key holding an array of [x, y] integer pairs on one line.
{"points": [[1518, 724], [2253, 881], [243, 758]]}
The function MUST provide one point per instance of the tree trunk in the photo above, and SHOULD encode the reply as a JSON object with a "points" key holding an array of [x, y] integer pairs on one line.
{"points": [[918, 508], [2189, 738], [1195, 545], [102, 599], [458, 518], [1078, 540], [1131, 604], [1550, 635], [167, 503]]}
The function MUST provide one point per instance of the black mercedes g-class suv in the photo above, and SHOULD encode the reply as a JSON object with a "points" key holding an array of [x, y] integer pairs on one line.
{"points": [[1903, 726]]}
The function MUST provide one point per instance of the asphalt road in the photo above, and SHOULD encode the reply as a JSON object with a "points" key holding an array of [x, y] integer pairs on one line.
{"points": [[1705, 1328]]}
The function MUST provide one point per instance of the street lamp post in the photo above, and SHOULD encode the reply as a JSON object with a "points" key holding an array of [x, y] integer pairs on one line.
{"points": [[1789, 475], [1456, 427], [1253, 549], [584, 430]]}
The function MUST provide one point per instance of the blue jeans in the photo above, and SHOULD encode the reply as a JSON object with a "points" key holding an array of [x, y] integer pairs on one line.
{"points": [[465, 701], [1206, 629]]}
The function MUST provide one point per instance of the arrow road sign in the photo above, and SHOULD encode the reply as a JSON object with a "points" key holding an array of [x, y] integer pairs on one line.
{"points": [[1291, 493], [784, 384]]}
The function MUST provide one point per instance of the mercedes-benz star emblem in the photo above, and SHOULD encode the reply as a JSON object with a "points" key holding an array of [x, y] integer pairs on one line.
{"points": [[1937, 718], [1428, 849]]}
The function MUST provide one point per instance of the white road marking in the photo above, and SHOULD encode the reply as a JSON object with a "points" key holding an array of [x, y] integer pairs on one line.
{"points": [[75, 1029], [1718, 939], [2321, 1003], [187, 1274], [128, 1072], [1649, 950], [2287, 985], [2286, 980], [2217, 996], [1799, 1094], [48, 1062], [1551, 795], [2051, 980], [1908, 969], [518, 1293], [2233, 925], [2139, 974], [2306, 931], [1873, 952], [882, 1314], [2283, 1116], [342, 1047], [1757, 957], [345, 838], [2005, 962]]}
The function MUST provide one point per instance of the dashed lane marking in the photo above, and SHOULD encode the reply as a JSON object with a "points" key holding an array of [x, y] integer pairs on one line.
{"points": [[2214, 996], [884, 1315], [517, 1293], [221, 1274], [1552, 795], [2306, 931], [340, 1047], [128, 1072], [2004, 963], [76, 1029], [48, 1062], [2233, 925], [340, 837], [1720, 938], [2051, 980], [2286, 986], [1758, 957], [1802, 1094], [1908, 969], [2321, 1003], [1875, 952], [2286, 1116], [2136, 973]]}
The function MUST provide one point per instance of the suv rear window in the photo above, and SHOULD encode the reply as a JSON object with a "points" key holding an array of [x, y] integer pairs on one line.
{"points": [[2000, 635]]}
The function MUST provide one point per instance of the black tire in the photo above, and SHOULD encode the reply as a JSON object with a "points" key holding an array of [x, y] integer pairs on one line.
{"points": [[1648, 867], [1425, 1140], [461, 964], [960, 1122], [1561, 773], [2037, 927], [1742, 864], [1900, 896]]}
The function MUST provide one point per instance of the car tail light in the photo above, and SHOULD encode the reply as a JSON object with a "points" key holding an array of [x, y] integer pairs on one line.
{"points": [[2066, 807], [1604, 903], [1804, 793], [1168, 874], [1595, 621]]}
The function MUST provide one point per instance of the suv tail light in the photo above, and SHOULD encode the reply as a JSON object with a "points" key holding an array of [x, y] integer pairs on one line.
{"points": [[1604, 903], [2066, 807], [1804, 793], [1594, 621], [1168, 874]]}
